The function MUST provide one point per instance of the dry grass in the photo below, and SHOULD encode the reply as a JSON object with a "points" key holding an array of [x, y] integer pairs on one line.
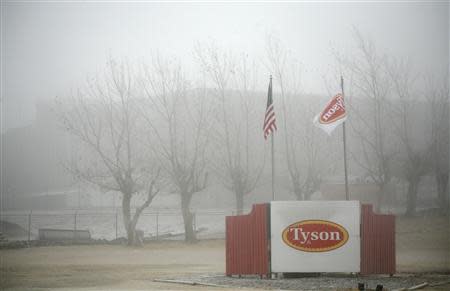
{"points": [[107, 266], [423, 244]]}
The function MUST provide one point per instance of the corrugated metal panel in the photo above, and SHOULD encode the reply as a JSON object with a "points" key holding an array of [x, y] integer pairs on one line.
{"points": [[377, 242], [247, 251]]}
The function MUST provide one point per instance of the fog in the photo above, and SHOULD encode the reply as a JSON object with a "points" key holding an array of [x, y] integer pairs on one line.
{"points": [[129, 110], [53, 48]]}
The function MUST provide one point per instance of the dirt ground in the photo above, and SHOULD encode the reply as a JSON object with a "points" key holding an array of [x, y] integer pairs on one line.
{"points": [[423, 244], [108, 267]]}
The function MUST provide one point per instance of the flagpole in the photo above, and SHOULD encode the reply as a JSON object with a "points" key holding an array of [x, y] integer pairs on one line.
{"points": [[273, 156], [345, 147], [273, 170]]}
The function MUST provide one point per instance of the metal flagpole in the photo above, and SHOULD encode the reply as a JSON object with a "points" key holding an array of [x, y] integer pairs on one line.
{"points": [[273, 171], [345, 147], [272, 150]]}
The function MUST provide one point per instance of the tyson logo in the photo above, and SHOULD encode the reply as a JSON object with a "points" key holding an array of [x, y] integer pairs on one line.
{"points": [[315, 235], [334, 110]]}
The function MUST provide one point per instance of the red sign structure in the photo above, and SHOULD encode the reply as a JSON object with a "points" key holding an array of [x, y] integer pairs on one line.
{"points": [[315, 236], [248, 244]]}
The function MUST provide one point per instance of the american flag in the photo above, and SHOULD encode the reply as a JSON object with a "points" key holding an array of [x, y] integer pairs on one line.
{"points": [[269, 118]]}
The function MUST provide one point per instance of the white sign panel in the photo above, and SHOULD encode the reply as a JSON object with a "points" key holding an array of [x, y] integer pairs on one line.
{"points": [[315, 236]]}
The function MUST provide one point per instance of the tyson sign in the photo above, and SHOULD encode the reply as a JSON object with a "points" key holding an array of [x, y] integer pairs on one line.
{"points": [[315, 236]]}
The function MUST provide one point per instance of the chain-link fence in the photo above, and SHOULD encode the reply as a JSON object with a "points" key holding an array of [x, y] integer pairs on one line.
{"points": [[161, 224]]}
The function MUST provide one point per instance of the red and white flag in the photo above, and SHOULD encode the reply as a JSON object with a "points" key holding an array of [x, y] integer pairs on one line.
{"points": [[269, 118], [333, 115]]}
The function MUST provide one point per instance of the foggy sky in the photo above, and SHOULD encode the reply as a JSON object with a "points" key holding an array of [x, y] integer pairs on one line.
{"points": [[49, 49]]}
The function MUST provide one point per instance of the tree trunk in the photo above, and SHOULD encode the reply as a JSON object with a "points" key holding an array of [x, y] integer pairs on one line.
{"points": [[127, 221], [298, 192], [412, 196], [239, 202], [189, 234], [443, 195], [309, 189], [308, 195], [377, 207], [380, 195]]}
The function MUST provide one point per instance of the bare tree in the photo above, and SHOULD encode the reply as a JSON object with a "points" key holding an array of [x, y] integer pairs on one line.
{"points": [[371, 82], [304, 147], [179, 118], [235, 164], [438, 106], [103, 118], [414, 156]]}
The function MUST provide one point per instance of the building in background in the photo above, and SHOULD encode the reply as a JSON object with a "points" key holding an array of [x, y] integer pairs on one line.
{"points": [[33, 159]]}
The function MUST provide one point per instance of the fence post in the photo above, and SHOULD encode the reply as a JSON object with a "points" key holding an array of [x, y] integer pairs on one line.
{"points": [[157, 226], [29, 225], [75, 226], [194, 222], [116, 222]]}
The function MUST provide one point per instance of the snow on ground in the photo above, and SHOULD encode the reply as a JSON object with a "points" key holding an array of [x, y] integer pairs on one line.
{"points": [[163, 217], [103, 225]]}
